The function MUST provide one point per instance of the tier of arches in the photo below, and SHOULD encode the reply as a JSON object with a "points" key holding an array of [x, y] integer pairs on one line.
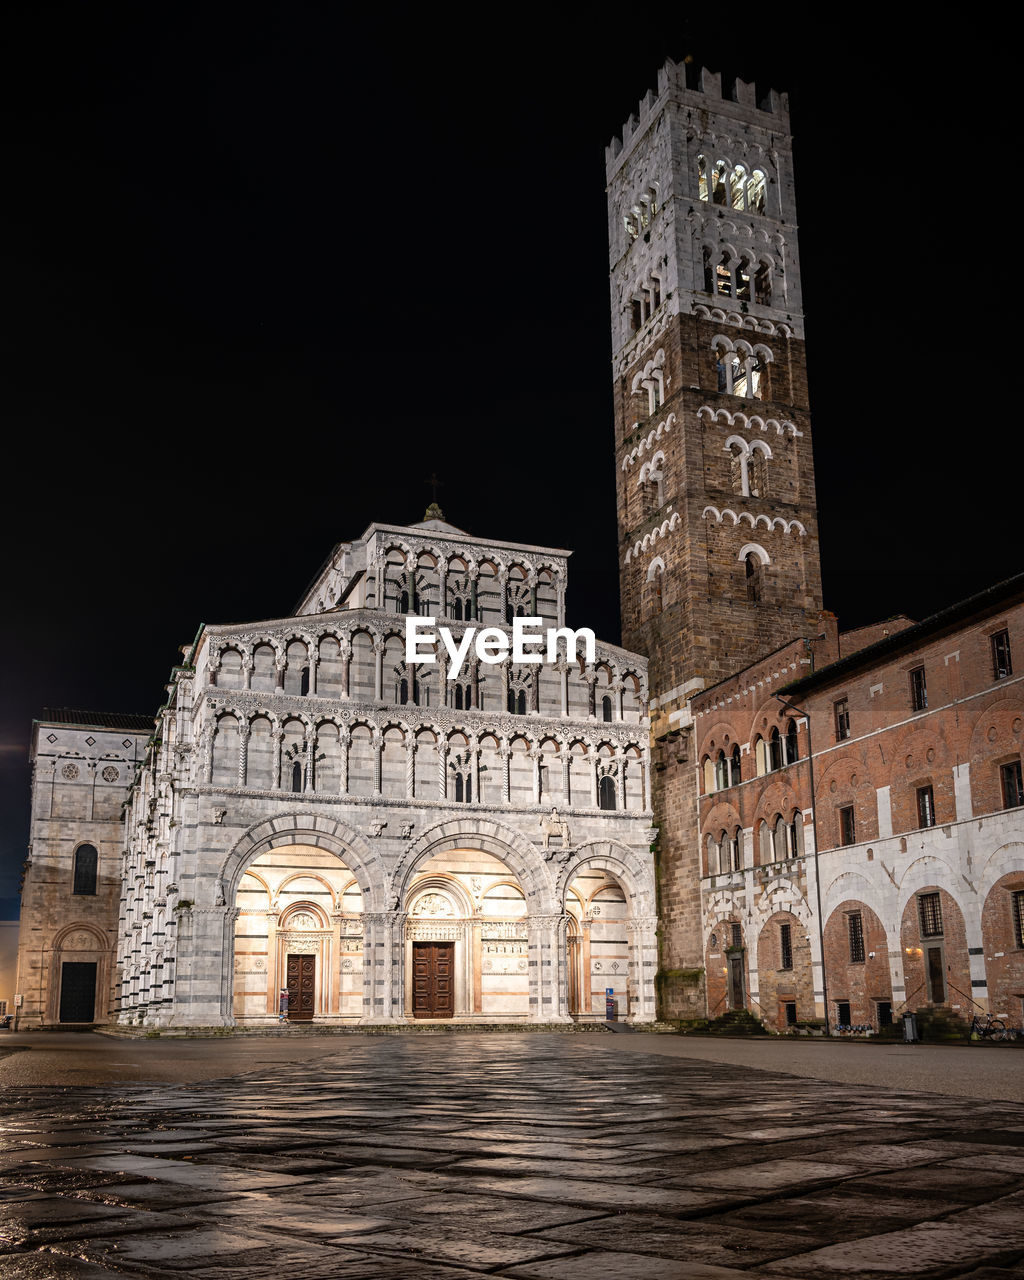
{"points": [[361, 758], [367, 664], [410, 576]]}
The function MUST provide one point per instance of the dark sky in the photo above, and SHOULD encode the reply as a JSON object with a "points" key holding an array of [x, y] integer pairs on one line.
{"points": [[266, 268]]}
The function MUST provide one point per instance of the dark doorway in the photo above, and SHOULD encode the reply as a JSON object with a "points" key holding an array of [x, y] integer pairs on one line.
{"points": [[884, 1008], [77, 992], [301, 988], [737, 995], [936, 975], [433, 979]]}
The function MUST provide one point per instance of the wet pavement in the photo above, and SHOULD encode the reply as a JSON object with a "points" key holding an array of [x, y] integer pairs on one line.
{"points": [[553, 1157]]}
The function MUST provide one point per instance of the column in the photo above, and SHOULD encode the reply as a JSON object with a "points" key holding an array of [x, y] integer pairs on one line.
{"points": [[531, 580], [586, 977], [505, 666], [344, 738], [345, 653], [645, 766], [275, 777], [383, 966], [410, 768], [378, 748], [591, 680], [410, 569], [378, 599], [309, 750], [473, 574], [474, 764], [542, 941], [378, 668], [207, 749], [504, 753], [643, 965], [566, 761], [536, 755], [563, 679], [314, 663], [243, 753], [594, 789], [272, 918], [280, 664], [442, 770], [620, 760], [247, 666], [619, 689], [442, 586]]}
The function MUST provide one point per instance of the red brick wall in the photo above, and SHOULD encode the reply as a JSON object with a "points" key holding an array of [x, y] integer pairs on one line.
{"points": [[862, 984], [953, 941], [1005, 972]]}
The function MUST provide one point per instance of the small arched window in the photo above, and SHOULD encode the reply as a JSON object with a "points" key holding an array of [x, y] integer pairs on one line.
{"points": [[606, 709], [721, 772], [304, 682], [761, 756], [734, 766], [712, 855], [792, 747], [296, 776], [736, 847], [86, 862], [463, 789], [775, 749], [606, 792], [755, 577]]}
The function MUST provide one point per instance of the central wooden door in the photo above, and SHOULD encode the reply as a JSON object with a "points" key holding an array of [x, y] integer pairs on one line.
{"points": [[433, 979], [301, 988]]}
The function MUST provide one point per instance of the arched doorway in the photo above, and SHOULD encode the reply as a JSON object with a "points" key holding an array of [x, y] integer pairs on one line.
{"points": [[466, 941], [597, 946], [81, 987], [298, 929]]}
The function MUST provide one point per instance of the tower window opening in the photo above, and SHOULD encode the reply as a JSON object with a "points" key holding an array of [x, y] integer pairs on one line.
{"points": [[709, 274], [743, 280], [738, 187], [763, 285], [754, 572], [925, 807], [296, 776], [718, 183], [757, 192], [86, 863], [606, 709], [723, 276], [606, 792]]}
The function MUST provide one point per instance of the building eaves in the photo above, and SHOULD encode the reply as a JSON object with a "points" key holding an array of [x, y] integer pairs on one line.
{"points": [[984, 603]]}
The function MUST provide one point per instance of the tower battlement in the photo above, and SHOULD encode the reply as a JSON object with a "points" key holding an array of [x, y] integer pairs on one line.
{"points": [[703, 89]]}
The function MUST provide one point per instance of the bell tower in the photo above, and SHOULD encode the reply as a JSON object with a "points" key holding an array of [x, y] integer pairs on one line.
{"points": [[718, 542]]}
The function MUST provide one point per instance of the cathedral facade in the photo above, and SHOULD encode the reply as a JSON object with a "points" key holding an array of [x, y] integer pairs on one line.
{"points": [[323, 830]]}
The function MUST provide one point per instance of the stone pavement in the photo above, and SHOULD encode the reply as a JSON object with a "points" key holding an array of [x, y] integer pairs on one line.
{"points": [[534, 1156]]}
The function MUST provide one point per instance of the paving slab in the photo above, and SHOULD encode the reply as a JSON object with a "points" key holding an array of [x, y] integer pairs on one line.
{"points": [[435, 1158]]}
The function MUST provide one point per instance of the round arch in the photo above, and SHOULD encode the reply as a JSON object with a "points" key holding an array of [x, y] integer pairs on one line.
{"points": [[511, 848], [335, 837]]}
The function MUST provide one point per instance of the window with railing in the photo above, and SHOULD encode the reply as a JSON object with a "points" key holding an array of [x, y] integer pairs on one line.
{"points": [[855, 930], [929, 911]]}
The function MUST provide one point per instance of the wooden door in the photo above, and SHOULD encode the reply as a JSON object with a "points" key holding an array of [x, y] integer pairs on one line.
{"points": [[77, 992], [301, 988], [433, 979]]}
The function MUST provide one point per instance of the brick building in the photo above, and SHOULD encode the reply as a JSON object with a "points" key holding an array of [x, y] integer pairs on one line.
{"points": [[862, 802]]}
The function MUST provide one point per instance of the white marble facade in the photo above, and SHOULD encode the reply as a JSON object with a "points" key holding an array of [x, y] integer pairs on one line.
{"points": [[309, 794]]}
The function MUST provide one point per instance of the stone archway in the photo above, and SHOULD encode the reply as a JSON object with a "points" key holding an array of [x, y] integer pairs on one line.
{"points": [[298, 927], [611, 890]]}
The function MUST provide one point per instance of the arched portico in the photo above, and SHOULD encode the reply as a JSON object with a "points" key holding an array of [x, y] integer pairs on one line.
{"points": [[605, 890]]}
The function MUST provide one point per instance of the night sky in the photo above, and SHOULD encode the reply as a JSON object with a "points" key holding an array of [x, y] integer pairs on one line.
{"points": [[266, 270]]}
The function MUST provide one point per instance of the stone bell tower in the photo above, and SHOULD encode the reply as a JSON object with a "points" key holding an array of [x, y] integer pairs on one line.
{"points": [[718, 546]]}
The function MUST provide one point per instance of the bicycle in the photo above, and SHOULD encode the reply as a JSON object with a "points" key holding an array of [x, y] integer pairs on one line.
{"points": [[989, 1028]]}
